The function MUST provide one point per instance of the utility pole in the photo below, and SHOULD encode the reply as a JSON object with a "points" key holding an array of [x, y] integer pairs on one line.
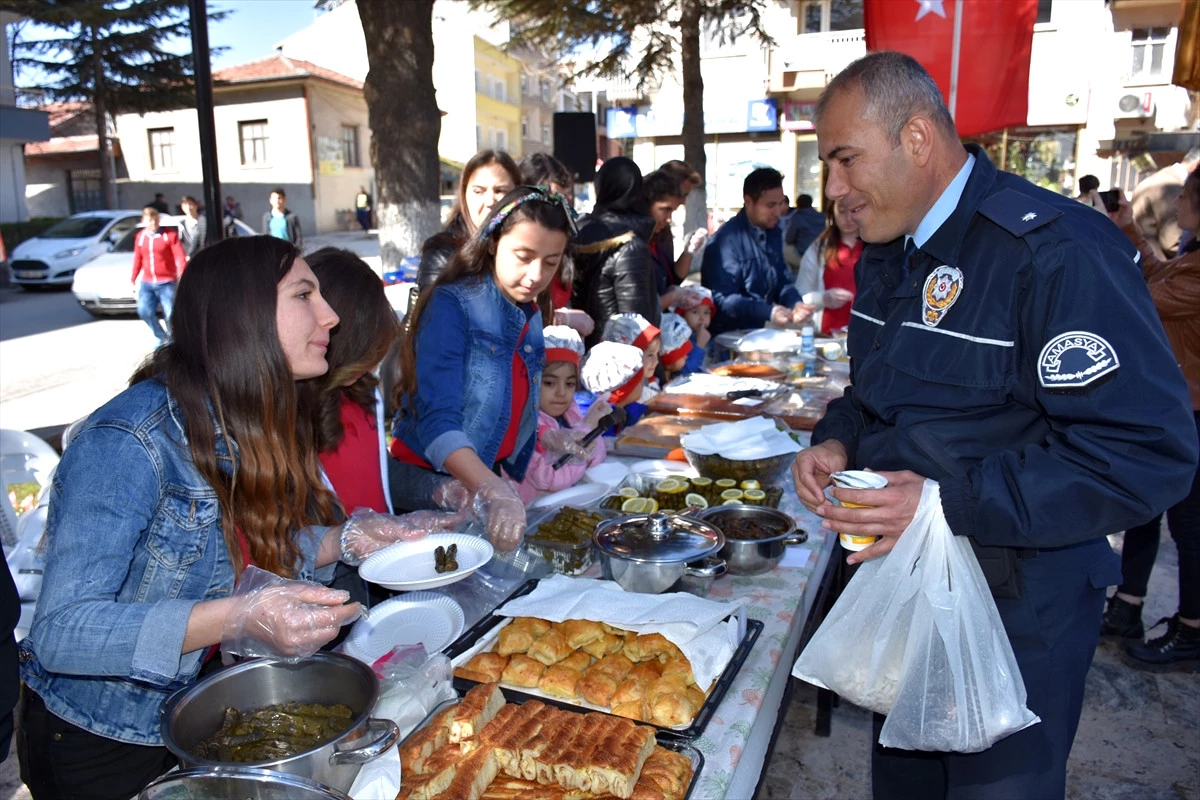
{"points": [[204, 117]]}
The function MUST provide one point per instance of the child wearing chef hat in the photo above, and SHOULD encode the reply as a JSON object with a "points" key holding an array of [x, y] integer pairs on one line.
{"points": [[636, 330], [614, 373], [676, 344], [695, 304], [560, 422]]}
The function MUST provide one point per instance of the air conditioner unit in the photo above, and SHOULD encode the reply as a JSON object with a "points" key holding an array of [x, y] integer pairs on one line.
{"points": [[1135, 106]]}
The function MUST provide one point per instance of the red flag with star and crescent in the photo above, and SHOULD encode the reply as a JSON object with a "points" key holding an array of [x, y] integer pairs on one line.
{"points": [[995, 38]]}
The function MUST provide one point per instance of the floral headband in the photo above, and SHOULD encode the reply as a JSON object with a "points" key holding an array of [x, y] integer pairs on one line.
{"points": [[541, 194]]}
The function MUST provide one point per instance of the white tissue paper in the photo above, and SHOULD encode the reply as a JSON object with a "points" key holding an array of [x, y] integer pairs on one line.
{"points": [[744, 440], [691, 623], [771, 340], [710, 385]]}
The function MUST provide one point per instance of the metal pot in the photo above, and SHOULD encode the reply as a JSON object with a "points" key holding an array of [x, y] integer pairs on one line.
{"points": [[755, 556], [650, 553], [193, 714], [218, 783]]}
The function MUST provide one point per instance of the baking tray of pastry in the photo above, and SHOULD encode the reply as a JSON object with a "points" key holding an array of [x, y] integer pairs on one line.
{"points": [[445, 723], [483, 636]]}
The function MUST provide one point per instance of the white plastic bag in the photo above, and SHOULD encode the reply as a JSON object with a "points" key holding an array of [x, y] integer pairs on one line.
{"points": [[916, 636]]}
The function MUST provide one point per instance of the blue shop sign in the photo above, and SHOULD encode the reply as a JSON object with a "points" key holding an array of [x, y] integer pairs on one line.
{"points": [[762, 115]]}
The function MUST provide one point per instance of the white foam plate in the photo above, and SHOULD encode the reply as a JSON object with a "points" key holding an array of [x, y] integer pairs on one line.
{"points": [[607, 472], [425, 618], [663, 467], [578, 495], [407, 566]]}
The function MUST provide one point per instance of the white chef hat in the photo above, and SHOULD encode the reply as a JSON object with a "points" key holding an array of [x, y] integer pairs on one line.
{"points": [[612, 368], [631, 329], [562, 344], [676, 338], [689, 297]]}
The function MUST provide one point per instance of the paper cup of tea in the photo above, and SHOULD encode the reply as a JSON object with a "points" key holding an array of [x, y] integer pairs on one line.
{"points": [[856, 479]]}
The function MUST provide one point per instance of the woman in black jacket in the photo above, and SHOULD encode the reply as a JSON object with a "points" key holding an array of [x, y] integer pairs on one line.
{"points": [[614, 273], [488, 176]]}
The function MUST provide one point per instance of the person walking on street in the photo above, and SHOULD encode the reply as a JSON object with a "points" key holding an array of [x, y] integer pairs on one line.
{"points": [[193, 228], [1175, 288], [1003, 346], [159, 203], [280, 222], [362, 209], [158, 259]]}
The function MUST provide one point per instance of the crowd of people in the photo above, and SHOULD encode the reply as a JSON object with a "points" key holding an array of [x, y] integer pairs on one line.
{"points": [[1001, 345]]}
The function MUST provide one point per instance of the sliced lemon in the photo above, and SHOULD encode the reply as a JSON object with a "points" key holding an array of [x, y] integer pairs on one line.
{"points": [[668, 485], [755, 497], [639, 505], [628, 491], [751, 485], [732, 494], [726, 483], [694, 500]]}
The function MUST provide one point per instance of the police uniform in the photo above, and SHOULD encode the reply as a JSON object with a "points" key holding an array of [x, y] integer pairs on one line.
{"points": [[1016, 358]]}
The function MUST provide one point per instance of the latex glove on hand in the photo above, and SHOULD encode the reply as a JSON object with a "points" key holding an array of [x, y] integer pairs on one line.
{"points": [[836, 298], [565, 441], [279, 618], [574, 318], [598, 409], [695, 240], [497, 504], [367, 531], [452, 495], [781, 316], [802, 314]]}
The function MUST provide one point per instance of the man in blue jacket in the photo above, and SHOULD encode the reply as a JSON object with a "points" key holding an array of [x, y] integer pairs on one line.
{"points": [[1003, 344], [744, 266]]}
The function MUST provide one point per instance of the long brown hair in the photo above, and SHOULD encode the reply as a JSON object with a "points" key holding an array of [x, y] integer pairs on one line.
{"points": [[224, 361], [830, 238], [475, 259], [363, 336], [458, 214]]}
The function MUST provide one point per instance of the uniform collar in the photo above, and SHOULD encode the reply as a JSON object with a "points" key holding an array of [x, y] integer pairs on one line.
{"points": [[945, 205], [946, 239]]}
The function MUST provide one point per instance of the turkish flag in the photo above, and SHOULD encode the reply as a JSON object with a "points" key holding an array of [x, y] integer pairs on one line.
{"points": [[995, 40]]}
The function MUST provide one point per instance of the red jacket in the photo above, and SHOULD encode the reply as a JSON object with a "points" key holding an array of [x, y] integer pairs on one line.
{"points": [[158, 256]]}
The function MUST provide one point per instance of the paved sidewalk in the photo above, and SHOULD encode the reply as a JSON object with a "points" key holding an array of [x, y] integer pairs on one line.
{"points": [[1138, 739]]}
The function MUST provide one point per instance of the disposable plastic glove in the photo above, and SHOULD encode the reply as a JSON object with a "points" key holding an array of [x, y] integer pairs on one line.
{"points": [[275, 617], [367, 531], [562, 441], [696, 240], [452, 495], [598, 409], [837, 297], [497, 504], [574, 318]]}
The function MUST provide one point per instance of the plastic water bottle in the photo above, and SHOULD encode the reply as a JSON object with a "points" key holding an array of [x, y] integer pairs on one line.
{"points": [[807, 348]]}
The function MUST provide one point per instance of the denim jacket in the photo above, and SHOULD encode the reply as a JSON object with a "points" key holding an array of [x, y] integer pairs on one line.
{"points": [[134, 541], [465, 341], [746, 277]]}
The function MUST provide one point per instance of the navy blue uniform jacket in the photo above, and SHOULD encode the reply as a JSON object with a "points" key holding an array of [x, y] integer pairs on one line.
{"points": [[1043, 396]]}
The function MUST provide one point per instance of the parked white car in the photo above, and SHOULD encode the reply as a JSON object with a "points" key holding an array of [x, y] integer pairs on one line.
{"points": [[102, 285], [51, 257]]}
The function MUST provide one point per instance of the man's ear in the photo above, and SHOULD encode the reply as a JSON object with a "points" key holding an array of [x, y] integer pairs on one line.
{"points": [[917, 138]]}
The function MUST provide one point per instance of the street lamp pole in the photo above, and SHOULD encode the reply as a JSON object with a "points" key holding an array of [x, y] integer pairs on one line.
{"points": [[204, 117]]}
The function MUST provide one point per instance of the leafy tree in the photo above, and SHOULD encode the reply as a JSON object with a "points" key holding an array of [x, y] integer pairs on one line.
{"points": [[638, 39], [109, 53]]}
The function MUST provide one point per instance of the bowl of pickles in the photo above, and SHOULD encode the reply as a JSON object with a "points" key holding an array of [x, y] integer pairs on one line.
{"points": [[643, 494], [764, 470], [564, 538]]}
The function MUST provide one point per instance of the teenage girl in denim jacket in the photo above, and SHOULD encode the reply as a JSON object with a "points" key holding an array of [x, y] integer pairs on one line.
{"points": [[203, 467], [471, 364]]}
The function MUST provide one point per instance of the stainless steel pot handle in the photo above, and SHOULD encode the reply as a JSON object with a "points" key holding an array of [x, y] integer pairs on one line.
{"points": [[388, 735], [798, 536], [713, 570]]}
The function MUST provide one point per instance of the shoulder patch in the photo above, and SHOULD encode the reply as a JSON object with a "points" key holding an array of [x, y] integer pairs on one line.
{"points": [[1017, 213], [1075, 359]]}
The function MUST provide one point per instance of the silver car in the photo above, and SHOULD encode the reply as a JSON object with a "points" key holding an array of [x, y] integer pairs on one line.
{"points": [[51, 257]]}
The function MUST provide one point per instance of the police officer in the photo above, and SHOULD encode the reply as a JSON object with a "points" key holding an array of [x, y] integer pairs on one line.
{"points": [[1014, 356]]}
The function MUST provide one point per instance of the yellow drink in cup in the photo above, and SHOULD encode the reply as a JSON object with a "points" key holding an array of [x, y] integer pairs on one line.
{"points": [[856, 479]]}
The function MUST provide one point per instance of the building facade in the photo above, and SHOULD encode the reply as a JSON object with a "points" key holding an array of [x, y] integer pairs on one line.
{"points": [[17, 127]]}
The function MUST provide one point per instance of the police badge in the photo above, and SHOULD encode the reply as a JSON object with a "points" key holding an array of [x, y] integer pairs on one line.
{"points": [[942, 288]]}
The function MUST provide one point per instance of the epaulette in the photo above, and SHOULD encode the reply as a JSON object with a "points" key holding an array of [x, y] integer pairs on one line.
{"points": [[1017, 213]]}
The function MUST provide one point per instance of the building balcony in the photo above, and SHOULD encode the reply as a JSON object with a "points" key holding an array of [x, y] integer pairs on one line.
{"points": [[809, 61]]}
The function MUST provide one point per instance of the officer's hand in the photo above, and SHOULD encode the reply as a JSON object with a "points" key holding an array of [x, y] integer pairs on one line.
{"points": [[812, 468], [893, 509]]}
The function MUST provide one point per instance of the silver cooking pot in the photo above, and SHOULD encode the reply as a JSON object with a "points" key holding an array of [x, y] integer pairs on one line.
{"points": [[218, 783], [653, 553], [195, 713], [754, 556]]}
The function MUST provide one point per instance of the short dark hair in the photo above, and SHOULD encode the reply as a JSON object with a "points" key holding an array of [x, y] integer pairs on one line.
{"points": [[279, 191], [659, 185], [894, 87], [682, 171], [1088, 184], [187, 198], [761, 180], [804, 201], [158, 195], [545, 169]]}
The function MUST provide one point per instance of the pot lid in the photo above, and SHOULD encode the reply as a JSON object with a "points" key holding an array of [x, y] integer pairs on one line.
{"points": [[659, 538], [221, 783]]}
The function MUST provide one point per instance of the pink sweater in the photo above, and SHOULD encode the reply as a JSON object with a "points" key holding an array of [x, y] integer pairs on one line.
{"points": [[540, 475]]}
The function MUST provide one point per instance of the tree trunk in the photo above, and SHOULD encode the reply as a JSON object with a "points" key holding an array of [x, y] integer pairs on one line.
{"points": [[693, 110], [405, 123], [100, 107]]}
